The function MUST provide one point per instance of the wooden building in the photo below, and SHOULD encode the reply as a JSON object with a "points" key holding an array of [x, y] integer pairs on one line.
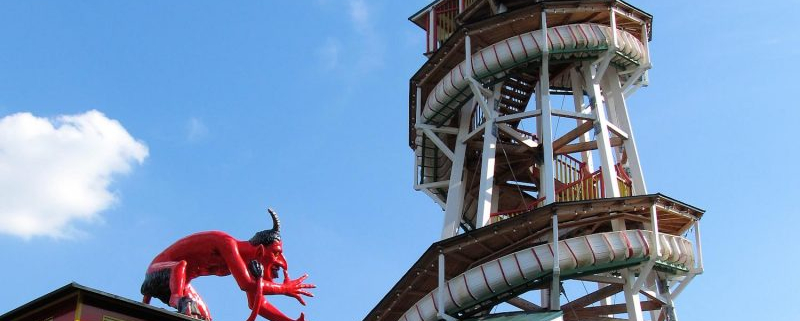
{"points": [[75, 302]]}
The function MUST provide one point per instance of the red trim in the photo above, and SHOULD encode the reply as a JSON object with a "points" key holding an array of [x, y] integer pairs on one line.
{"points": [[451, 294], [436, 97], [496, 56], [536, 43], [519, 267], [541, 268], [574, 258], [594, 258], [511, 51], [466, 284], [644, 241], [574, 37], [628, 242], [610, 247], [435, 30], [553, 254], [558, 33], [521, 42], [419, 313], [444, 90], [485, 280], [503, 273], [483, 60], [434, 302], [472, 64], [580, 28]]}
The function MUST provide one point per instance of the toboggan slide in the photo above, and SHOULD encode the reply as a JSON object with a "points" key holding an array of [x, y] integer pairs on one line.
{"points": [[516, 269]]}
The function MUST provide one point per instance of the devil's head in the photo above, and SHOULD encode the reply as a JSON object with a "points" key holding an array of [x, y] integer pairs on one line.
{"points": [[271, 247]]}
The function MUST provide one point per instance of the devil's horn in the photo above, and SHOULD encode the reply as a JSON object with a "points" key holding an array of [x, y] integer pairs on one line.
{"points": [[276, 223]]}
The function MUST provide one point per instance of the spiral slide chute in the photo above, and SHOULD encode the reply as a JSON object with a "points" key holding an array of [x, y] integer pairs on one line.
{"points": [[516, 269], [563, 42]]}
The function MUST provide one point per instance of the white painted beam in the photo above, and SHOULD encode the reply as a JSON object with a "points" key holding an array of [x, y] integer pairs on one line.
{"points": [[601, 134], [572, 114], [577, 101], [518, 116], [621, 107], [456, 188], [527, 141], [439, 143], [443, 130]]}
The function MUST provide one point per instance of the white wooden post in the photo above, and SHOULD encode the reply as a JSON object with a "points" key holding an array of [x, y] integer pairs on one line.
{"points": [[602, 134], [617, 99], [577, 98], [455, 191], [546, 175], [632, 301], [555, 285], [432, 29], [488, 154]]}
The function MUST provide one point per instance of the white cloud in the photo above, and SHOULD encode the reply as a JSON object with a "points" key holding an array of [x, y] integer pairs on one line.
{"points": [[371, 52], [329, 53], [54, 172], [363, 50], [195, 129], [359, 15]]}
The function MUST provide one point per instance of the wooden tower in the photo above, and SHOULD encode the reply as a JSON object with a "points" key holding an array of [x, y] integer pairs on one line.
{"points": [[521, 132]]}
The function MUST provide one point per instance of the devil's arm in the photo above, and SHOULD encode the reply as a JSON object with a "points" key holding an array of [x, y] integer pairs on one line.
{"points": [[291, 288], [238, 267], [269, 312]]}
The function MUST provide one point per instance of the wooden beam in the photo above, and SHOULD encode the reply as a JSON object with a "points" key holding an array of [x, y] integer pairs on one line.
{"points": [[573, 115], [593, 297], [580, 314], [582, 147], [518, 116], [572, 135], [527, 141], [524, 305]]}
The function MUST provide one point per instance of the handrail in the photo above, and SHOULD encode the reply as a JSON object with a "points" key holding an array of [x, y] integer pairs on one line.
{"points": [[586, 188]]}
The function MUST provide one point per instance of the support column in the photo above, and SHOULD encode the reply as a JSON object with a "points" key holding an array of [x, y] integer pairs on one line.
{"points": [[669, 309], [617, 100], [555, 285], [607, 300], [632, 301], [544, 122], [488, 154], [602, 135], [455, 191], [577, 98], [431, 29]]}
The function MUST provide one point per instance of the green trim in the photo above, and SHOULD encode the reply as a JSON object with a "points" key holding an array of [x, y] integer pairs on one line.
{"points": [[669, 267], [600, 268]]}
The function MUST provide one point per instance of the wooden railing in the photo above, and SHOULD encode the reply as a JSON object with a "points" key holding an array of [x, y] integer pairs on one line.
{"points": [[586, 188]]}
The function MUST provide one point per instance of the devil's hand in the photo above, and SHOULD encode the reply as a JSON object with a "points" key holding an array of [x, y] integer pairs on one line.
{"points": [[294, 288], [256, 269]]}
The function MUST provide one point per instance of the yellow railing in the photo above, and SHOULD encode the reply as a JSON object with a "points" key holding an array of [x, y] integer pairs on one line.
{"points": [[587, 187]]}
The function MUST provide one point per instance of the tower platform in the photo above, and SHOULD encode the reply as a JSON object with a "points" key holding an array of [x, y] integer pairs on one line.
{"points": [[498, 262]]}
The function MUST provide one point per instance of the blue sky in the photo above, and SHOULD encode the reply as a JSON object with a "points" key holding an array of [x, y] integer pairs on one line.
{"points": [[229, 108]]}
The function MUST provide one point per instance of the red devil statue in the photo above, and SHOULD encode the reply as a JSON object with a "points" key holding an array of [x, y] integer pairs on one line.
{"points": [[217, 253]]}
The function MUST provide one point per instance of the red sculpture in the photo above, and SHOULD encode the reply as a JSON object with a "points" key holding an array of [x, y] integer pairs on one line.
{"points": [[217, 253]]}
